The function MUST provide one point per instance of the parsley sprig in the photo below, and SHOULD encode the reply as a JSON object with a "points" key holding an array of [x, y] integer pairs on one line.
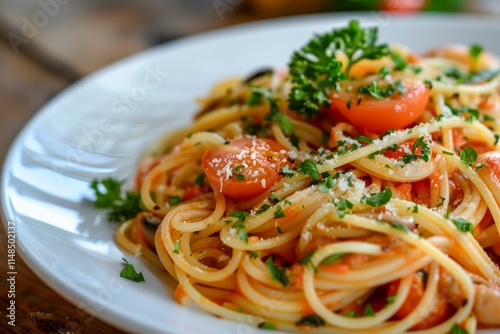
{"points": [[378, 199], [315, 70], [130, 273], [109, 195]]}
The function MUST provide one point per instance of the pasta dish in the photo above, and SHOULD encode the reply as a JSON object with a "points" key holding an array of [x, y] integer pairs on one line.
{"points": [[355, 191]]}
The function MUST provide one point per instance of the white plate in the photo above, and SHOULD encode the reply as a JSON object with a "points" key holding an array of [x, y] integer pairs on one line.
{"points": [[101, 125]]}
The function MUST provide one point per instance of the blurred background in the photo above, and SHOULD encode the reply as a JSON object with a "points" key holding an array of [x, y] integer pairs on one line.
{"points": [[45, 45]]}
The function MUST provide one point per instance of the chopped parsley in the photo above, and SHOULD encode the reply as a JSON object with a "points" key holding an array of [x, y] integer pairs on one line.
{"points": [[475, 51], [262, 209], [287, 171], [273, 198], [416, 69], [368, 311], [484, 75], [277, 273], [307, 167], [307, 258], [399, 62], [456, 329], [384, 71], [279, 213], [326, 184], [348, 104], [243, 235], [313, 320], [255, 98], [463, 225], [332, 258], [374, 90], [468, 155], [344, 204], [425, 152], [275, 115], [200, 179], [471, 112], [378, 199], [400, 88], [364, 139], [174, 200], [130, 273], [454, 72], [401, 227], [176, 247], [390, 299], [254, 128], [238, 168], [267, 325], [240, 218], [351, 314]]}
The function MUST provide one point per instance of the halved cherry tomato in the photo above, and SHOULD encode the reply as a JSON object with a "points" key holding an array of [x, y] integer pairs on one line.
{"points": [[245, 167], [394, 112]]}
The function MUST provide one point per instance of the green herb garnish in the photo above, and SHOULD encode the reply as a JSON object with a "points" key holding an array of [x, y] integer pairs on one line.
{"points": [[307, 167], [311, 321], [379, 199], [109, 196], [463, 225], [468, 155], [315, 71], [277, 273], [130, 273]]}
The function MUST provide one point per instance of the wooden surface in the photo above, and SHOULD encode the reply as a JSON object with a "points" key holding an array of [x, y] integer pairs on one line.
{"points": [[77, 39]]}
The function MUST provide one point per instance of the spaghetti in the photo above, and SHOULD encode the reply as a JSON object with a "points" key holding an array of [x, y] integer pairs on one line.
{"points": [[376, 212]]}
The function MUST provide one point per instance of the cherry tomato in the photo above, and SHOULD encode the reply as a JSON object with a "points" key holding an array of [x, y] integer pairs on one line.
{"points": [[394, 112], [245, 167]]}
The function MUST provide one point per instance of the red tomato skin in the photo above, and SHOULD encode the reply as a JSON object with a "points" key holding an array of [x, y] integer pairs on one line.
{"points": [[378, 115], [264, 160]]}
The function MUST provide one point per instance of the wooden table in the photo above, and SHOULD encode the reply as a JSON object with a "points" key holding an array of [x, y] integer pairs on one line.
{"points": [[45, 49]]}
